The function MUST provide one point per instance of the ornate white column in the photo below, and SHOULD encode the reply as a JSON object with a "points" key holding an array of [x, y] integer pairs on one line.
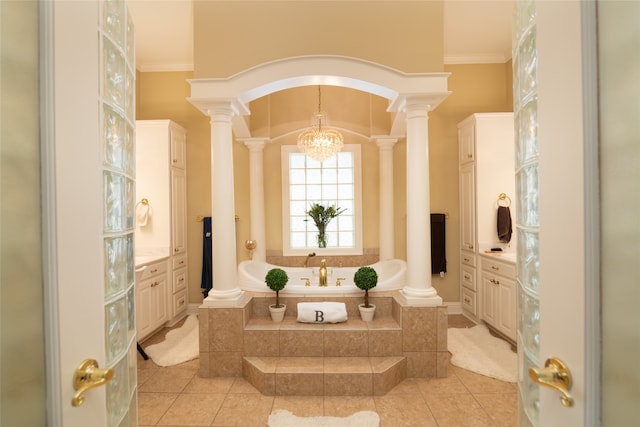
{"points": [[256, 195], [225, 291], [418, 290], [385, 210]]}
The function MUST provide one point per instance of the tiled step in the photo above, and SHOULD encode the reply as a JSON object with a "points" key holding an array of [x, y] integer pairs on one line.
{"points": [[381, 337], [324, 376]]}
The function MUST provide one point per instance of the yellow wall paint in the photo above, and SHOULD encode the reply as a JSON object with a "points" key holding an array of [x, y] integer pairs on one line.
{"points": [[231, 36], [476, 88]]}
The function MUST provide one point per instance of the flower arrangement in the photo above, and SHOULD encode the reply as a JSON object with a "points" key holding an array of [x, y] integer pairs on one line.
{"points": [[321, 216]]}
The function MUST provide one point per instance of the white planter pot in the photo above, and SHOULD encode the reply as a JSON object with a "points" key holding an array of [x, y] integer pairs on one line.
{"points": [[367, 313], [277, 314]]}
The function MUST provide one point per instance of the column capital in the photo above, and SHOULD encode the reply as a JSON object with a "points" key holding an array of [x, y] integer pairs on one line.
{"points": [[384, 142], [422, 103], [220, 107], [255, 143]]}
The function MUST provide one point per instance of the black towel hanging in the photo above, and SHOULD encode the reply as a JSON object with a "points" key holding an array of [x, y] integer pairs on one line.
{"points": [[438, 247], [504, 224], [207, 270]]}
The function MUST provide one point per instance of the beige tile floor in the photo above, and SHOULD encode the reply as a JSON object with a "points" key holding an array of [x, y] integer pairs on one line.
{"points": [[176, 396]]}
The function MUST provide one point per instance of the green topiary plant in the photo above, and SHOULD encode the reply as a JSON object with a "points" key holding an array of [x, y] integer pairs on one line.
{"points": [[365, 279], [276, 279]]}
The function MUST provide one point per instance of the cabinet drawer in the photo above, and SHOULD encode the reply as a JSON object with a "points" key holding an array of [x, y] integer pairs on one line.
{"points": [[179, 303], [179, 280], [469, 301], [154, 270], [499, 267], [468, 258], [179, 261], [468, 277]]}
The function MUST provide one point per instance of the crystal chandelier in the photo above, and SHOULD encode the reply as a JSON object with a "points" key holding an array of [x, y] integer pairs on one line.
{"points": [[319, 141]]}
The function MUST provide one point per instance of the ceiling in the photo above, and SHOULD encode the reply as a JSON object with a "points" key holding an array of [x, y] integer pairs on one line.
{"points": [[475, 31]]}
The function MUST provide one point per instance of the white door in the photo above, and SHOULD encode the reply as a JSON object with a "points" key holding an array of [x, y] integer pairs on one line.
{"points": [[88, 203], [557, 191]]}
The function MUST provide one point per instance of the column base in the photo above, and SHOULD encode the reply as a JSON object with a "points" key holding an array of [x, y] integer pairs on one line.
{"points": [[420, 297], [227, 298]]}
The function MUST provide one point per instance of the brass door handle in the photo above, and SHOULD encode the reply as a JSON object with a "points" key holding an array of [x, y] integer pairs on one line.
{"points": [[88, 376], [555, 374]]}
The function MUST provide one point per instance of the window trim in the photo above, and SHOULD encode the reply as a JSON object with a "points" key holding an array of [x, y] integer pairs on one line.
{"points": [[355, 149]]}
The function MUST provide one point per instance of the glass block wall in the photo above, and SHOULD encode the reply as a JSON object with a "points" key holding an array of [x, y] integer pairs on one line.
{"points": [[525, 101], [116, 105]]}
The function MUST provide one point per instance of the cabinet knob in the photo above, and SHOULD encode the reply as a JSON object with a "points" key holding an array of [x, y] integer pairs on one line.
{"points": [[493, 267], [470, 246], [470, 156], [494, 281], [467, 300], [466, 276]]}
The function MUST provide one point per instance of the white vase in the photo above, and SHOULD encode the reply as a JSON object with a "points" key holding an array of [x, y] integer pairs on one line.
{"points": [[277, 314], [366, 313]]}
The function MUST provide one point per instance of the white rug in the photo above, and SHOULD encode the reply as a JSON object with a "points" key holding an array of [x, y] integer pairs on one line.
{"points": [[475, 349], [282, 418], [180, 345]]}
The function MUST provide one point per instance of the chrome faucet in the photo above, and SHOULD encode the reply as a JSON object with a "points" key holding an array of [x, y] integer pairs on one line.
{"points": [[323, 273], [306, 260]]}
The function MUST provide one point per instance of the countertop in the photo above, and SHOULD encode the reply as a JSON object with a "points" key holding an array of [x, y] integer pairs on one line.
{"points": [[144, 256], [502, 256]]}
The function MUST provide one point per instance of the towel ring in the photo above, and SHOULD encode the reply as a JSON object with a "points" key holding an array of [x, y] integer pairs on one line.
{"points": [[503, 198], [144, 202]]}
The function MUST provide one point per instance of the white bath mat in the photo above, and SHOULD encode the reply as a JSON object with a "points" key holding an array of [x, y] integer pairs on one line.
{"points": [[475, 349], [282, 418], [180, 345]]}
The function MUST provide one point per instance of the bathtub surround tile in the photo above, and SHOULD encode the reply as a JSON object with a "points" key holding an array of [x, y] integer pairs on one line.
{"points": [[261, 373], [442, 319], [341, 343], [385, 342], [301, 342], [294, 365], [203, 329], [387, 373], [261, 342], [348, 384], [289, 384], [233, 334], [226, 326], [419, 332]]}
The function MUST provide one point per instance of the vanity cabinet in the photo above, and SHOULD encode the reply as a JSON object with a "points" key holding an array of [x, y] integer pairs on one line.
{"points": [[486, 169], [161, 178], [152, 310], [498, 284]]}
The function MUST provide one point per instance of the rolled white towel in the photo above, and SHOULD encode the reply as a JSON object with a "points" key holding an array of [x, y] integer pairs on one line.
{"points": [[322, 312]]}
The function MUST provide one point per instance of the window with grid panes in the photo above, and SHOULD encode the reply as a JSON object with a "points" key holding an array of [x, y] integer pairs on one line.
{"points": [[336, 181]]}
